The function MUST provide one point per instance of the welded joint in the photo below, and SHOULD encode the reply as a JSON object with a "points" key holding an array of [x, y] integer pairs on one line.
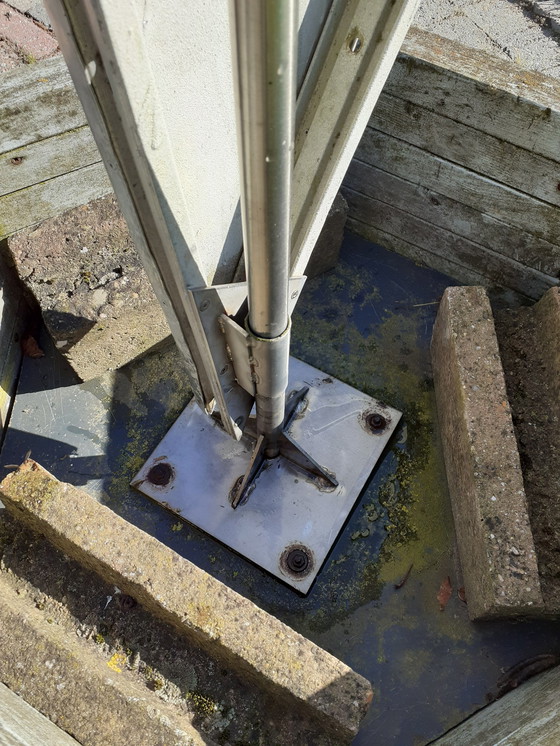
{"points": [[268, 359]]}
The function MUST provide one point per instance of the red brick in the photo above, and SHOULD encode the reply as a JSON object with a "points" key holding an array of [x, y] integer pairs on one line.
{"points": [[23, 33]]}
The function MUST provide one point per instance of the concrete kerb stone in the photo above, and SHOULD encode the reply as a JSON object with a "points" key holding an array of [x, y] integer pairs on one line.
{"points": [[495, 541], [65, 681], [225, 624], [547, 313]]}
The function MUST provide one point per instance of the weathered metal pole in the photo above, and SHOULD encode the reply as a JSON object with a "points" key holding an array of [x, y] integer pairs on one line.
{"points": [[264, 35]]}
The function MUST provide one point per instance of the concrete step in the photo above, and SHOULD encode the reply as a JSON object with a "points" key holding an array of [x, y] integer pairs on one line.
{"points": [[497, 390], [117, 624]]}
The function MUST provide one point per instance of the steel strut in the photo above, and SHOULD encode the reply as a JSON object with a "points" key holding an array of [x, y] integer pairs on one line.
{"points": [[264, 42]]}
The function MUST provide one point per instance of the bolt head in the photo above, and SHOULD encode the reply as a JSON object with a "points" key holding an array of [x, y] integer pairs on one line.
{"points": [[160, 474], [376, 422]]}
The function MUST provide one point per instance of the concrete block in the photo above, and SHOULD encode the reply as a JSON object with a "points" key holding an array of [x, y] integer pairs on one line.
{"points": [[62, 678], [529, 339], [547, 316], [229, 627], [22, 725], [96, 300], [327, 249], [32, 41], [496, 546]]}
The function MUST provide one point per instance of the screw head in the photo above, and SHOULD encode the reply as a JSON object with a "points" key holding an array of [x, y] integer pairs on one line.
{"points": [[355, 45], [160, 474]]}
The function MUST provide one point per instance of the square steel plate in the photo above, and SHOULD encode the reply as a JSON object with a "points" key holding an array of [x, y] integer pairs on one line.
{"points": [[285, 512]]}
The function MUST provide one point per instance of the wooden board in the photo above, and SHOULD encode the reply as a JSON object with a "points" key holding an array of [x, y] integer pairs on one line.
{"points": [[23, 725], [527, 716], [466, 221], [30, 206], [37, 101], [47, 159], [444, 243], [460, 183], [491, 95], [465, 145], [420, 256]]}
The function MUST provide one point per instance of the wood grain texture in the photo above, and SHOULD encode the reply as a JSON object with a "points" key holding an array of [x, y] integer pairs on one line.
{"points": [[444, 243], [418, 255], [445, 212], [30, 206], [487, 107], [501, 75], [22, 725], [47, 159], [468, 146], [527, 715], [460, 183], [37, 101]]}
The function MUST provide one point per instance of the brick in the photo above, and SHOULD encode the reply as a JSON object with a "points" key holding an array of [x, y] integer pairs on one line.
{"points": [[494, 537], [27, 36], [228, 626]]}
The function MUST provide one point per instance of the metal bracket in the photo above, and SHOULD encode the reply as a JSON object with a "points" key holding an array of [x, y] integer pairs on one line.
{"points": [[289, 523], [225, 348]]}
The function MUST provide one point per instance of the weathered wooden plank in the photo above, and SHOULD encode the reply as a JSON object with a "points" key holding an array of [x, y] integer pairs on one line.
{"points": [[483, 194], [527, 715], [29, 206], [420, 256], [441, 210], [23, 725], [482, 67], [491, 156], [37, 101], [46, 159], [485, 106], [428, 237]]}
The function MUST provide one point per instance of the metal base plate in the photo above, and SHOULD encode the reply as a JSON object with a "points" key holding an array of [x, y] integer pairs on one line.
{"points": [[287, 522]]}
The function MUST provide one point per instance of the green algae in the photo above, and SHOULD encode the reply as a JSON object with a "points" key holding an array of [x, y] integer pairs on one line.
{"points": [[385, 359], [158, 379]]}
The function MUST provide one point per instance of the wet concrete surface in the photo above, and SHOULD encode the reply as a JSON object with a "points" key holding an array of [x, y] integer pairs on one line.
{"points": [[367, 322]]}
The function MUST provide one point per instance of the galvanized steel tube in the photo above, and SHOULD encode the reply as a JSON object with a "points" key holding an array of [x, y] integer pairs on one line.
{"points": [[264, 36]]}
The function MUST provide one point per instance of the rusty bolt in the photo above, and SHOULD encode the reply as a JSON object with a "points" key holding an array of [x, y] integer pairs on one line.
{"points": [[160, 474], [297, 560], [17, 161], [376, 422]]}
